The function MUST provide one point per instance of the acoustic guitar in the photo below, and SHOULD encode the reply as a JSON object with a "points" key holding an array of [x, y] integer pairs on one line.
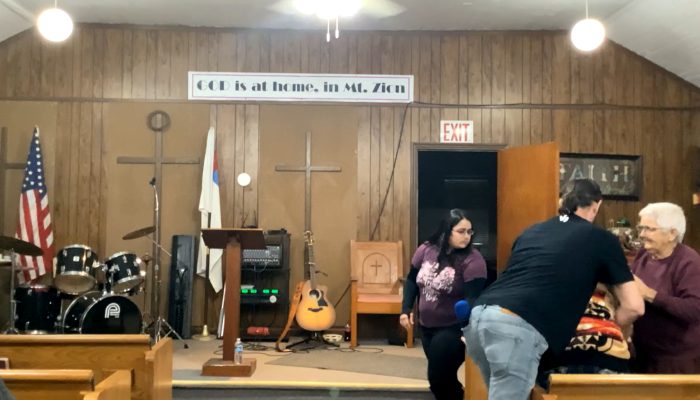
{"points": [[315, 313]]}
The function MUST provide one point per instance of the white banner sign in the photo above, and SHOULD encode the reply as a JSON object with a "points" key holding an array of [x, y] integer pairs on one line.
{"points": [[300, 87], [456, 132]]}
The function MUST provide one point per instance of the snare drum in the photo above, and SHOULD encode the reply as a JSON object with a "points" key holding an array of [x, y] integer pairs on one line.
{"points": [[123, 272], [38, 309], [75, 269]]}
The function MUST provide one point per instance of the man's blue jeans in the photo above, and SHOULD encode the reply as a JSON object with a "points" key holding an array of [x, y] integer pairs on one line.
{"points": [[507, 351]]}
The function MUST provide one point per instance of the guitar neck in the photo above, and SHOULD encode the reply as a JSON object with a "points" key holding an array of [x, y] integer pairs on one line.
{"points": [[312, 267]]}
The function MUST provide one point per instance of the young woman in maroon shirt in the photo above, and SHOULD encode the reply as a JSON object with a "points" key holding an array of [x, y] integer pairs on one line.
{"points": [[667, 337], [444, 270]]}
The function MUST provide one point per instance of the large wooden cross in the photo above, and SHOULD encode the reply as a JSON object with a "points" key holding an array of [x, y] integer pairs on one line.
{"points": [[4, 167], [307, 169], [158, 122]]}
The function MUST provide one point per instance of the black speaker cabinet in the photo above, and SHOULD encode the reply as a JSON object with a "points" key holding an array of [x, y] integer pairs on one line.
{"points": [[183, 266]]}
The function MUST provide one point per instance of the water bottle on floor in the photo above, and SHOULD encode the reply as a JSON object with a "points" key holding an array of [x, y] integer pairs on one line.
{"points": [[238, 355]]}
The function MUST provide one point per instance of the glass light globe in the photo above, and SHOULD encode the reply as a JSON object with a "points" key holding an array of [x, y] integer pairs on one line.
{"points": [[327, 9], [306, 6], [588, 34], [55, 25], [243, 179], [347, 8]]}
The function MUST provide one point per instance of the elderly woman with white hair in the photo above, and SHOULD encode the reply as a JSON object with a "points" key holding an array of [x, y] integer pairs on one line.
{"points": [[667, 337]]}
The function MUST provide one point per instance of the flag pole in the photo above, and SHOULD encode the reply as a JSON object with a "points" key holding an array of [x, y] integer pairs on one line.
{"points": [[205, 329]]}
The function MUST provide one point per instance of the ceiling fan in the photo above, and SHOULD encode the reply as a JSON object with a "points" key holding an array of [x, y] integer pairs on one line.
{"points": [[334, 9]]}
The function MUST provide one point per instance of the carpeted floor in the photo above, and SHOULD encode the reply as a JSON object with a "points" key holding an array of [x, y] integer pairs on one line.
{"points": [[358, 361], [292, 394], [188, 363]]}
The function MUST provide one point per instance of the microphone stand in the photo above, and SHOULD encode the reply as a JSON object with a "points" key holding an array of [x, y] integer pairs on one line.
{"points": [[160, 323]]}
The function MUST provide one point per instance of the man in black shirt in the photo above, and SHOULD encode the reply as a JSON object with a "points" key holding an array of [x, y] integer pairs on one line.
{"points": [[540, 297]]}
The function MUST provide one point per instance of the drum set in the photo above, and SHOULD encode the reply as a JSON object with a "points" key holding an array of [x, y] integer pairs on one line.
{"points": [[88, 296]]}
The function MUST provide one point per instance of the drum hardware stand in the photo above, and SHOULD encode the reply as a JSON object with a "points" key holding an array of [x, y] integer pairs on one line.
{"points": [[11, 330], [160, 324], [146, 259], [14, 247]]}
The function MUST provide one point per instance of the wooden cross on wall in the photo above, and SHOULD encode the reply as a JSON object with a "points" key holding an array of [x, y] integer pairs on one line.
{"points": [[4, 167], [307, 169], [158, 122]]}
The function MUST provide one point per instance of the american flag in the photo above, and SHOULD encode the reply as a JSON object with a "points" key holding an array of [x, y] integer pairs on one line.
{"points": [[34, 224]]}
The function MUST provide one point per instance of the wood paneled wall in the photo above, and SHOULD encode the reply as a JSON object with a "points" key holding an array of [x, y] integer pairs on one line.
{"points": [[518, 88]]}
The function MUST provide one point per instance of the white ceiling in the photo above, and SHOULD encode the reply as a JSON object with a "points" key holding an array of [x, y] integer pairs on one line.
{"points": [[666, 32]]}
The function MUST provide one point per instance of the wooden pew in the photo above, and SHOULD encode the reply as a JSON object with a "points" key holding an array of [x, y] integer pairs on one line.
{"points": [[620, 387], [474, 387], [116, 387], [151, 367], [65, 385]]}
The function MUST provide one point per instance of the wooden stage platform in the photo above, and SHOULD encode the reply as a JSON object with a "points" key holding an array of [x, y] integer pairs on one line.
{"points": [[187, 365]]}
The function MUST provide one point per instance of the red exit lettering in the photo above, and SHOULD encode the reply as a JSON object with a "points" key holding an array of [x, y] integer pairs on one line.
{"points": [[455, 132]]}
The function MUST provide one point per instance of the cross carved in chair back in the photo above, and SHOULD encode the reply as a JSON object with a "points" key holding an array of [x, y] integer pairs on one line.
{"points": [[377, 266]]}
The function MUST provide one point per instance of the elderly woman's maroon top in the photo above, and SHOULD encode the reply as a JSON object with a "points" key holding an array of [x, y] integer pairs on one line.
{"points": [[669, 331]]}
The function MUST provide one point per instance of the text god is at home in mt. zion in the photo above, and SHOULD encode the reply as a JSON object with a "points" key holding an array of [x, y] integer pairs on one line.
{"points": [[300, 87]]}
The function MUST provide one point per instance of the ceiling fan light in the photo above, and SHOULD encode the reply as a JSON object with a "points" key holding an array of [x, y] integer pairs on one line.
{"points": [[328, 9], [588, 34], [55, 25], [347, 8], [306, 6]]}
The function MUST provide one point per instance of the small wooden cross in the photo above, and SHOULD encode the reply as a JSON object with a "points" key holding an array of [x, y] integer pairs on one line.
{"points": [[158, 122], [4, 167], [376, 267]]}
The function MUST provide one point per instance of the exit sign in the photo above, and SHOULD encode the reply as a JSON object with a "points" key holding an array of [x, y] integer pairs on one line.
{"points": [[456, 132]]}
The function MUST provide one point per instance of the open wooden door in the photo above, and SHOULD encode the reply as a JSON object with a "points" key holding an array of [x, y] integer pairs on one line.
{"points": [[528, 192]]}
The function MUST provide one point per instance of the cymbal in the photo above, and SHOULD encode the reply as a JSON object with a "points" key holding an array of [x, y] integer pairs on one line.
{"points": [[20, 247], [139, 233]]}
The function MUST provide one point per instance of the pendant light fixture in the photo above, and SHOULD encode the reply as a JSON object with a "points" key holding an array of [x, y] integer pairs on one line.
{"points": [[329, 10], [54, 24], [588, 34]]}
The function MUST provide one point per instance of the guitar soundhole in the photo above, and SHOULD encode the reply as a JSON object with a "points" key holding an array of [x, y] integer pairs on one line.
{"points": [[314, 294]]}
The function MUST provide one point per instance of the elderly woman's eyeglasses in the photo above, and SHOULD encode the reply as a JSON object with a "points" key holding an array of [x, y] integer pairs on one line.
{"points": [[470, 232], [642, 228]]}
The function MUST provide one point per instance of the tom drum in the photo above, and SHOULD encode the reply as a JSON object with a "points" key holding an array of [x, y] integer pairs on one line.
{"points": [[75, 270], [123, 272]]}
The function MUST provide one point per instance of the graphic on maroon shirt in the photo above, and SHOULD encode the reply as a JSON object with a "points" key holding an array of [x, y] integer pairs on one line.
{"points": [[434, 283]]}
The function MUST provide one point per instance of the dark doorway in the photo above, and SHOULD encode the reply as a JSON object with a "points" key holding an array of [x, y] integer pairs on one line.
{"points": [[459, 179]]}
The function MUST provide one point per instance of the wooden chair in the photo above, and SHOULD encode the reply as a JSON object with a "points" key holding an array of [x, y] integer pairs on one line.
{"points": [[376, 276]]}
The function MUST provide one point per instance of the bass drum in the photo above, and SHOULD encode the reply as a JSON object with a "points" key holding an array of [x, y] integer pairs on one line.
{"points": [[98, 313]]}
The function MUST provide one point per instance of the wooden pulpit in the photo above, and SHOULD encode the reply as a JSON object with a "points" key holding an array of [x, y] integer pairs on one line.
{"points": [[234, 241]]}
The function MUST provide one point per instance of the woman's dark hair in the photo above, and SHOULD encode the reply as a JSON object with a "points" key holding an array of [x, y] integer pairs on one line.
{"points": [[579, 193], [441, 240]]}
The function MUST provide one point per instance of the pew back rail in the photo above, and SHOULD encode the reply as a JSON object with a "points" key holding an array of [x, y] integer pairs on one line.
{"points": [[621, 387]]}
